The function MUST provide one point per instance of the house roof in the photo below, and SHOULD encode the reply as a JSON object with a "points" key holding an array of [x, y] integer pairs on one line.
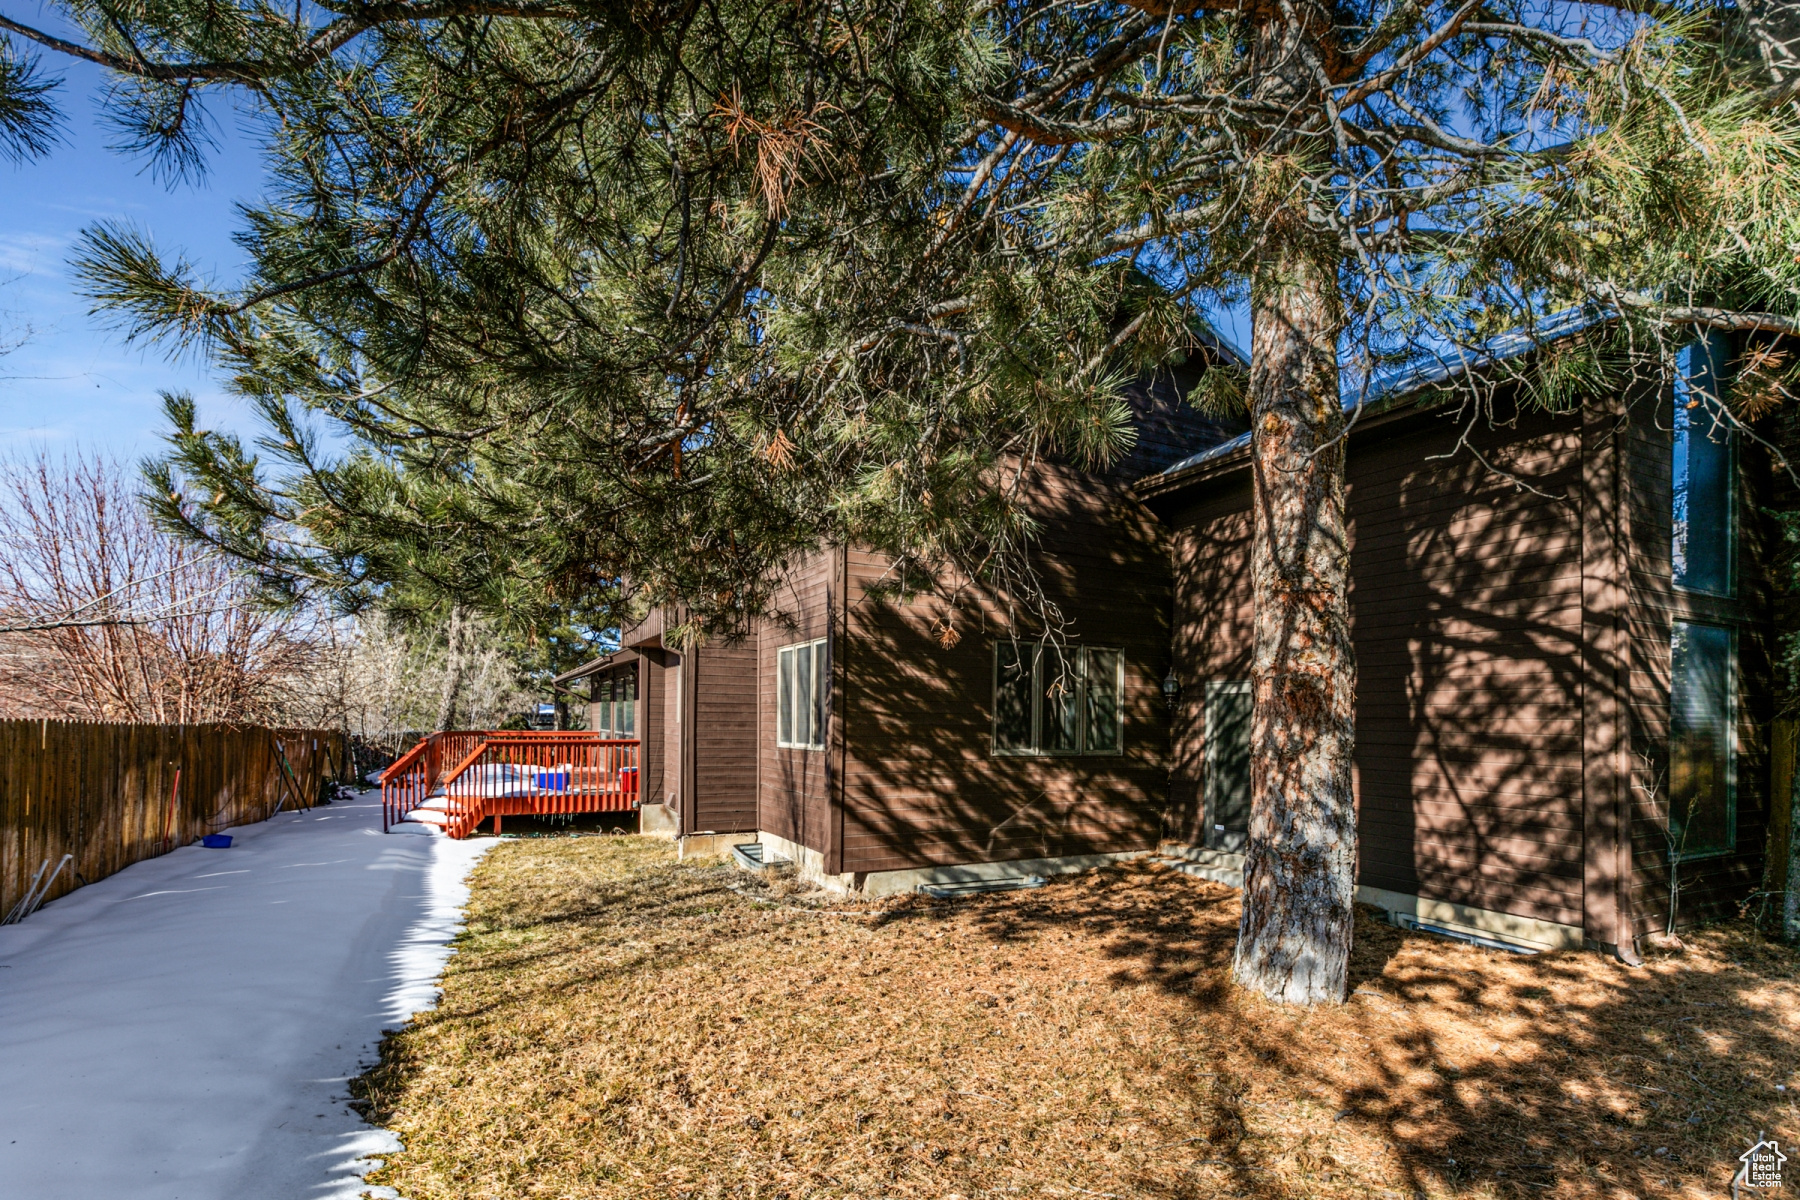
{"points": [[1391, 388], [632, 639], [596, 665]]}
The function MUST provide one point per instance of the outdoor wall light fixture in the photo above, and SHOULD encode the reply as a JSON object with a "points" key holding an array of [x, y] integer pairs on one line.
{"points": [[1171, 688]]}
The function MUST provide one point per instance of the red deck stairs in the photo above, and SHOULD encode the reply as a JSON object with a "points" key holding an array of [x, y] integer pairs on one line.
{"points": [[454, 781]]}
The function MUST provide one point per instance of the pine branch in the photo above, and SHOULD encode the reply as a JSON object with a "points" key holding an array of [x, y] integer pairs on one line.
{"points": [[317, 48]]}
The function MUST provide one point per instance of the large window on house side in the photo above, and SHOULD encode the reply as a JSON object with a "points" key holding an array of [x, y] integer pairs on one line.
{"points": [[1702, 745], [800, 696], [615, 706], [1057, 700], [1703, 474]]}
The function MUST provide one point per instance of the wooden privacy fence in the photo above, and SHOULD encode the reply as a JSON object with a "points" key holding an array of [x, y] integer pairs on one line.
{"points": [[111, 795]]}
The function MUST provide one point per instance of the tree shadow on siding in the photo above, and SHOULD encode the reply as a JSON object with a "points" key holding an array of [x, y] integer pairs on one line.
{"points": [[923, 785], [1468, 613]]}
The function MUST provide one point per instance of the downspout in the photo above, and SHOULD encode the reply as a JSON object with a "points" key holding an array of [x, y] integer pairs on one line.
{"points": [[690, 735], [835, 741]]}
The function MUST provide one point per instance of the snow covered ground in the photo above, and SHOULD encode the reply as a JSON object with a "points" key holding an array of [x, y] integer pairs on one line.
{"points": [[184, 1030]]}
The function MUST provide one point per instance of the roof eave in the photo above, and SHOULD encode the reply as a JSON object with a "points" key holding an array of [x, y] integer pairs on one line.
{"points": [[1411, 389]]}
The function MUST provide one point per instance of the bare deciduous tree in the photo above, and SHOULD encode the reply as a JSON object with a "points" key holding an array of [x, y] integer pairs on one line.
{"points": [[104, 617], [457, 676]]}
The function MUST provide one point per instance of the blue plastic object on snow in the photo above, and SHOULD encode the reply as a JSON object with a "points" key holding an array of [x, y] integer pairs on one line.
{"points": [[552, 781], [216, 841]]}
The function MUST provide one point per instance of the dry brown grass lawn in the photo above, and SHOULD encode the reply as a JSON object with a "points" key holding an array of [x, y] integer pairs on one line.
{"points": [[617, 1024]]}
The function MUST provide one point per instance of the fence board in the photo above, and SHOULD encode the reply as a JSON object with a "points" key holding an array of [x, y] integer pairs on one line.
{"points": [[102, 791]]}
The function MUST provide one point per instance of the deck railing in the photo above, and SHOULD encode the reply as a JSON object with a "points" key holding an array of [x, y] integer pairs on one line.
{"points": [[471, 775]]}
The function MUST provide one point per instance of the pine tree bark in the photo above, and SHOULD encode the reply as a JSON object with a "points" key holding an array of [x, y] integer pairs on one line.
{"points": [[1300, 862]]}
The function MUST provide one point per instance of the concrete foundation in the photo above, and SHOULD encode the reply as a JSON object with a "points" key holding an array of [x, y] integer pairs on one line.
{"points": [[1404, 909], [1220, 866], [658, 820], [1525, 932], [709, 845], [810, 865]]}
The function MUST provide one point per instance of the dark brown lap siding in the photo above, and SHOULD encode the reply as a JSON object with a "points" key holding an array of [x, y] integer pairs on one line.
{"points": [[921, 784], [792, 800], [725, 727], [1466, 608]]}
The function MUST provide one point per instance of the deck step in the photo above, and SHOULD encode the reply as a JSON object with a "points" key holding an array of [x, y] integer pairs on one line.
{"points": [[426, 816]]}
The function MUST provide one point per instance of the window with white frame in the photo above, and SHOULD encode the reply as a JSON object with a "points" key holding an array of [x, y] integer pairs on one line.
{"points": [[1058, 699], [800, 684]]}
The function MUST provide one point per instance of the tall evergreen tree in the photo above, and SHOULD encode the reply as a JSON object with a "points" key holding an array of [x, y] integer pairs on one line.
{"points": [[1384, 182], [596, 292], [671, 292]]}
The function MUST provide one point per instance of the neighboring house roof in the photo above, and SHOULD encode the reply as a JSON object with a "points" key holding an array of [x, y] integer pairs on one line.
{"points": [[1390, 388]]}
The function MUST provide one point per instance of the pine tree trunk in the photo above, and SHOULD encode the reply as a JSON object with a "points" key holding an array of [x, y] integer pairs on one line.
{"points": [[1300, 863]]}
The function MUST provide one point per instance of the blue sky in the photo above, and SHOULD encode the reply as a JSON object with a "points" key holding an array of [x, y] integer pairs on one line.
{"points": [[73, 382]]}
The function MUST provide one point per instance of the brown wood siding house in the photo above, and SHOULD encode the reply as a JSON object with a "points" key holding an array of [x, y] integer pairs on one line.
{"points": [[907, 785], [695, 715], [1514, 648], [795, 798], [1466, 614], [920, 784], [1513, 620], [903, 782]]}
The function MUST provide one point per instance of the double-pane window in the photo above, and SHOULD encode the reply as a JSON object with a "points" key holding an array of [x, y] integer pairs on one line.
{"points": [[800, 675], [1057, 699], [1702, 745], [615, 706], [1702, 469]]}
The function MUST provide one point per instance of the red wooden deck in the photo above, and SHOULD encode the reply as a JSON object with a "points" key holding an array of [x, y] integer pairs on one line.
{"points": [[457, 780]]}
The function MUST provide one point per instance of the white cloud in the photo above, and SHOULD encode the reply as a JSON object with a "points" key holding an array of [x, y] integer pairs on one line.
{"points": [[33, 254]]}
